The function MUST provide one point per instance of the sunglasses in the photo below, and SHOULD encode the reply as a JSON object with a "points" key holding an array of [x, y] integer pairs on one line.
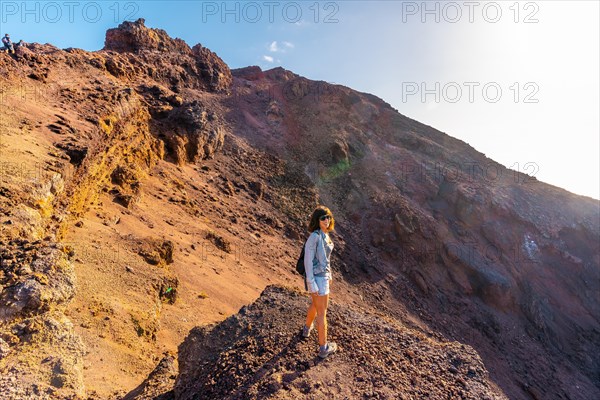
{"points": [[324, 217]]}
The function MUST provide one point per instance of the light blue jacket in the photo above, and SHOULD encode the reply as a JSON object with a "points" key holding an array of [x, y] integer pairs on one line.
{"points": [[317, 251]]}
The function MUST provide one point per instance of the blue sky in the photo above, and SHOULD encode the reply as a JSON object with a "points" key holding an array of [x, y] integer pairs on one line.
{"points": [[518, 81]]}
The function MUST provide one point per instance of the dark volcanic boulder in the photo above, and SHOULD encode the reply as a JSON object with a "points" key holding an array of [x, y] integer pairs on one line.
{"points": [[196, 133], [212, 69]]}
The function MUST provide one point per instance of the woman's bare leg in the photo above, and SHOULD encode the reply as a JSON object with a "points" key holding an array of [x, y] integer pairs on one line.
{"points": [[321, 303], [311, 314]]}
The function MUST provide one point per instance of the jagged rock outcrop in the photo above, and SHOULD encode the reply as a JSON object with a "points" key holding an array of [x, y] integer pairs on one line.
{"points": [[213, 69], [174, 62], [195, 133], [44, 283], [132, 36]]}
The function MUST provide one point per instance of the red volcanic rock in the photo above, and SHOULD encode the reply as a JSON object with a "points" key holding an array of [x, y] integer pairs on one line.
{"points": [[173, 61], [280, 74], [252, 73], [134, 36]]}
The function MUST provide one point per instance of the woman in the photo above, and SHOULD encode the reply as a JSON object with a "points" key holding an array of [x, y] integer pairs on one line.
{"points": [[317, 250]]}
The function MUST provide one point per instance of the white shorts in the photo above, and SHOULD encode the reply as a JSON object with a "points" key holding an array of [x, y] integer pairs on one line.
{"points": [[323, 285]]}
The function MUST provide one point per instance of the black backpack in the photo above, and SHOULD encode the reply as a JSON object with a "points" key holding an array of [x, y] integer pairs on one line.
{"points": [[300, 263]]}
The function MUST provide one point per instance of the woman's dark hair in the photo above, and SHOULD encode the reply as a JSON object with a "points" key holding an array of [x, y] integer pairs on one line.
{"points": [[313, 225]]}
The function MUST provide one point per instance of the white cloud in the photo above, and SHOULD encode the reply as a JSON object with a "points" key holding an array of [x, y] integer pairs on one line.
{"points": [[274, 47], [268, 59]]}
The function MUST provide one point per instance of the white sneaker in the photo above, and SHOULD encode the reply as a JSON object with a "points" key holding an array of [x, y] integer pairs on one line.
{"points": [[306, 331], [330, 349]]}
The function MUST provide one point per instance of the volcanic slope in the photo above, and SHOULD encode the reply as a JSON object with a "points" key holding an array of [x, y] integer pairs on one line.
{"points": [[147, 190]]}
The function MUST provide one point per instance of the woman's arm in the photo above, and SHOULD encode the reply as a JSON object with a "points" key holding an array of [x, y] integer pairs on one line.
{"points": [[309, 255]]}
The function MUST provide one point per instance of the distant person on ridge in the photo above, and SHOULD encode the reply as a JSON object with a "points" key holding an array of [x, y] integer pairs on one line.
{"points": [[317, 251], [8, 44]]}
